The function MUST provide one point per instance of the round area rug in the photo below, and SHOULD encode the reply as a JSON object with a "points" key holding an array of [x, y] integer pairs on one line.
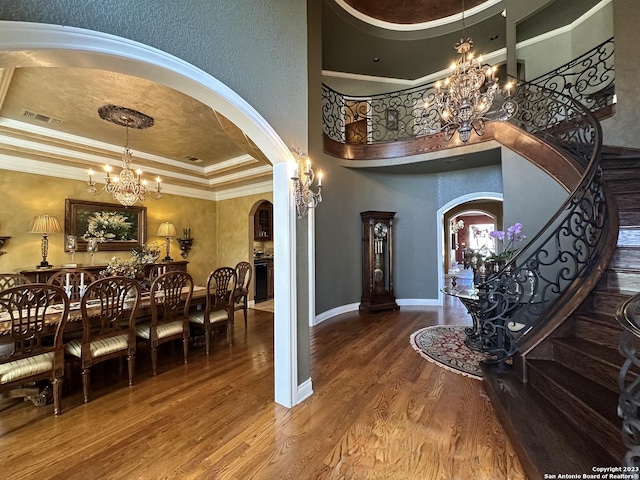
{"points": [[444, 346]]}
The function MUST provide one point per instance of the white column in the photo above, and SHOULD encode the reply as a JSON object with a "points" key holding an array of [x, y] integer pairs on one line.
{"points": [[311, 254], [285, 317]]}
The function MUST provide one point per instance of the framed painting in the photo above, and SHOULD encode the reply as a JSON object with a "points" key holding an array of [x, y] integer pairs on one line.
{"points": [[115, 226], [392, 119]]}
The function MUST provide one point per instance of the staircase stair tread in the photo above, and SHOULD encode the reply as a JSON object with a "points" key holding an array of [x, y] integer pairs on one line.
{"points": [[597, 397], [623, 269], [538, 430], [594, 350], [616, 151], [600, 318], [617, 292]]}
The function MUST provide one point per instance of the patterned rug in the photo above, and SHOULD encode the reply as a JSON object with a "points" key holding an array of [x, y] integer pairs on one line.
{"points": [[444, 346]]}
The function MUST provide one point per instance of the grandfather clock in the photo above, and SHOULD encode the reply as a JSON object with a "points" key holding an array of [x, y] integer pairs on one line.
{"points": [[377, 262]]}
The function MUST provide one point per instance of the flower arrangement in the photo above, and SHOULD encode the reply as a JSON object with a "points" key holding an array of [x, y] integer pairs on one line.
{"points": [[107, 226], [134, 267], [116, 267], [146, 254], [455, 227], [512, 236]]}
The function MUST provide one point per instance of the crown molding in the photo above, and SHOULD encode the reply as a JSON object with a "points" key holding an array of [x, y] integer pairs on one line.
{"points": [[566, 29], [497, 55], [410, 27], [258, 171], [236, 192], [231, 163]]}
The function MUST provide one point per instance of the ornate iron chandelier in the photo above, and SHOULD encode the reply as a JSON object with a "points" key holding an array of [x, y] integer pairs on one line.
{"points": [[464, 99], [303, 180], [128, 187]]}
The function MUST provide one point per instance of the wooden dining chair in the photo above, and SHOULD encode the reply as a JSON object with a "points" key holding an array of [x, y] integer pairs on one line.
{"points": [[219, 304], [108, 307], [159, 268], [8, 280], [244, 271], [30, 316], [74, 281], [170, 297]]}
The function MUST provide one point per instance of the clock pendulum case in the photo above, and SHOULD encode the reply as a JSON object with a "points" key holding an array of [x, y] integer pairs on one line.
{"points": [[377, 262]]}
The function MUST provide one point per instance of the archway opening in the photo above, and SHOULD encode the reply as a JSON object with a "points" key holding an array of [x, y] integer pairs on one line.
{"points": [[57, 46]]}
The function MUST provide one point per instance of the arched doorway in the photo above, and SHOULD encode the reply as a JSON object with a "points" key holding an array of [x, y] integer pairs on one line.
{"points": [[262, 251], [57, 46], [488, 204]]}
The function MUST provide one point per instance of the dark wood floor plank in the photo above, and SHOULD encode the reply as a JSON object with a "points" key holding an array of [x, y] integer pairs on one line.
{"points": [[379, 411]]}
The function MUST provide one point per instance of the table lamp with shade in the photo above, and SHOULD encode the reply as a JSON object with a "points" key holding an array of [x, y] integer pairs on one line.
{"points": [[167, 230], [45, 224]]}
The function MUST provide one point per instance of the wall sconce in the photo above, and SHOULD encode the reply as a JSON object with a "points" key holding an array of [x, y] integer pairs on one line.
{"points": [[44, 224], [186, 242], [167, 230], [304, 197]]}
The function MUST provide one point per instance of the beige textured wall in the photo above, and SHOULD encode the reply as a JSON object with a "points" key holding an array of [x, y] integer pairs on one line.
{"points": [[235, 228], [26, 195]]}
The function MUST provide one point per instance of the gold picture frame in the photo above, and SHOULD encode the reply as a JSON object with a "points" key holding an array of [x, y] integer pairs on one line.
{"points": [[117, 227]]}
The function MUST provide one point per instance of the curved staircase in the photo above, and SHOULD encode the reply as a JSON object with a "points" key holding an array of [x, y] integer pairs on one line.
{"points": [[564, 419]]}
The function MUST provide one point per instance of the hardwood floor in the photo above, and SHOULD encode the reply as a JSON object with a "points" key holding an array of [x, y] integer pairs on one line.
{"points": [[379, 411]]}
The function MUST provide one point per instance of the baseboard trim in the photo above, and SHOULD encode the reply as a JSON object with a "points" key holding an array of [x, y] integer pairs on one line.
{"points": [[352, 307], [418, 302], [305, 390]]}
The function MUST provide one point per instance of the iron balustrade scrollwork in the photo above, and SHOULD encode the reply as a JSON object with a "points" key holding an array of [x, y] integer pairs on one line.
{"points": [[520, 295], [388, 117], [588, 79], [411, 113], [629, 380]]}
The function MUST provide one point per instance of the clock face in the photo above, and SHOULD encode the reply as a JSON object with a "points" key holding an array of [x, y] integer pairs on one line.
{"points": [[380, 230]]}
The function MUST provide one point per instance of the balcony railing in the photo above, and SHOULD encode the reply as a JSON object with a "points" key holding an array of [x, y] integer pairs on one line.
{"points": [[409, 113]]}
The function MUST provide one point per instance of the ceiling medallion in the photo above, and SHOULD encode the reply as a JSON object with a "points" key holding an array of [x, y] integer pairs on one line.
{"points": [[127, 188], [125, 117]]}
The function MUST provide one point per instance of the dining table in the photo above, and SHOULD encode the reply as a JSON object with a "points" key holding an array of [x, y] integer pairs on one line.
{"points": [[74, 321]]}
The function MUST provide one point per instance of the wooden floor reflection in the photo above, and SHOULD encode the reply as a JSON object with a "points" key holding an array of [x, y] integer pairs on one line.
{"points": [[379, 411]]}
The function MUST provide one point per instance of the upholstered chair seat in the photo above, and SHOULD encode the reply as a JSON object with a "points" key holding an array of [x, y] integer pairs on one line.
{"points": [[170, 295], [109, 307], [97, 348], [32, 320], [218, 309], [25, 367]]}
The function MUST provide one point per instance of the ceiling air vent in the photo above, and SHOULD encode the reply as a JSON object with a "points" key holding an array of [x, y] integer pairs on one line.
{"points": [[42, 118]]}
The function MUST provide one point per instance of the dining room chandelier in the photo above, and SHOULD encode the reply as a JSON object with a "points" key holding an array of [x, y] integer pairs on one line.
{"points": [[464, 100], [128, 187]]}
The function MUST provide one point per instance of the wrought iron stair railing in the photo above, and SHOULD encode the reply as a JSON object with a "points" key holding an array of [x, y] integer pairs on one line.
{"points": [[588, 79], [629, 380], [524, 294], [525, 297]]}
